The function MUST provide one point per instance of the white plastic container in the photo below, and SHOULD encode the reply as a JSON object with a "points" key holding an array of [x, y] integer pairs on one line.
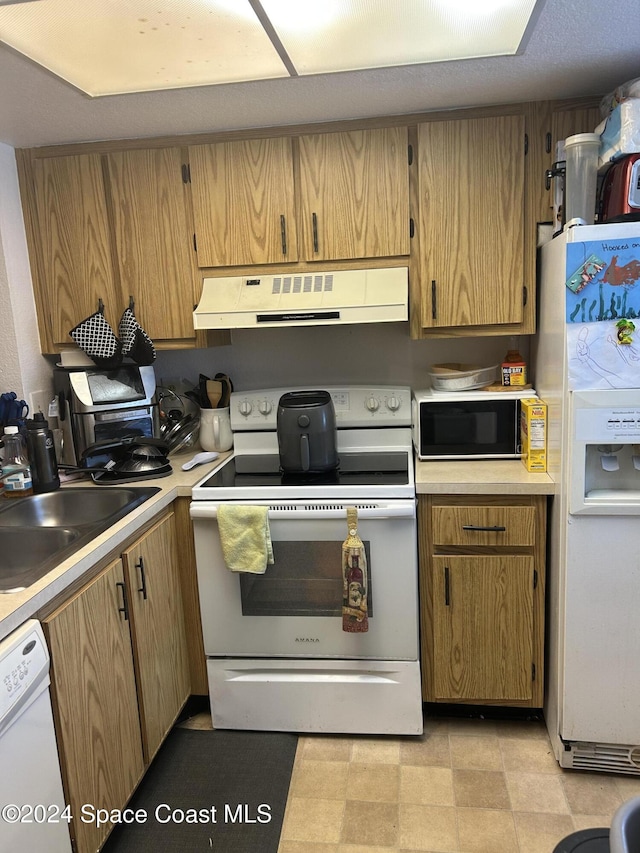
{"points": [[16, 473], [620, 132], [581, 154], [461, 377]]}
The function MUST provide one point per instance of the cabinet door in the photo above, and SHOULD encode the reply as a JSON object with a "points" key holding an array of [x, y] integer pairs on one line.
{"points": [[95, 702], [154, 246], [243, 202], [483, 627], [75, 268], [159, 642], [355, 194], [471, 211]]}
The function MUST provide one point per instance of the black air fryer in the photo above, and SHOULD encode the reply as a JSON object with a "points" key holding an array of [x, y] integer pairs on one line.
{"points": [[307, 435]]}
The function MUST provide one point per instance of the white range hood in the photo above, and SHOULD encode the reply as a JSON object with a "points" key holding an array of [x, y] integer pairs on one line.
{"points": [[304, 299]]}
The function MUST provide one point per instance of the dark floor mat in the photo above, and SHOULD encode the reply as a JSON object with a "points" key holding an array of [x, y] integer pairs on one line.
{"points": [[230, 786]]}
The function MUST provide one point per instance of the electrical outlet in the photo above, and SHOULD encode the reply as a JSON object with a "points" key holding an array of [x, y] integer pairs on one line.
{"points": [[38, 402]]}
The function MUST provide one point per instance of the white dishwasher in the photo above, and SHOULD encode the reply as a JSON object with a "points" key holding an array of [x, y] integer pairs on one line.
{"points": [[32, 808]]}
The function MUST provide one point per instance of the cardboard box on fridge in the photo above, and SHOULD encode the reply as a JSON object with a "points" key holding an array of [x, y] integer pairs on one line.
{"points": [[533, 434]]}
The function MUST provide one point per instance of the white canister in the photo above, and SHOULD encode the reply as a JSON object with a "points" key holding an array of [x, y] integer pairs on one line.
{"points": [[581, 153], [215, 429]]}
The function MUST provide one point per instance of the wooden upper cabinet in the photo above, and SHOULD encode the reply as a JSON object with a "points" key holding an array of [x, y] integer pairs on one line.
{"points": [[471, 221], [567, 121], [244, 202], [355, 194], [72, 265], [153, 242]]}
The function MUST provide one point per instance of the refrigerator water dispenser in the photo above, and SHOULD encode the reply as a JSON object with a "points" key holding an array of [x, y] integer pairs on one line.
{"points": [[605, 452]]}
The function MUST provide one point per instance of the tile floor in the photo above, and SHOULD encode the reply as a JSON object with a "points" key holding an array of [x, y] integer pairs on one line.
{"points": [[464, 786]]}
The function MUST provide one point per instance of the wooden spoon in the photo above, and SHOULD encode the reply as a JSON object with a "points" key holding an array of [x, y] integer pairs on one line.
{"points": [[214, 392]]}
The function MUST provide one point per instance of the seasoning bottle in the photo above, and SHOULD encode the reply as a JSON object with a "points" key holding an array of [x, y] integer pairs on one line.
{"points": [[514, 368], [16, 473], [42, 455]]}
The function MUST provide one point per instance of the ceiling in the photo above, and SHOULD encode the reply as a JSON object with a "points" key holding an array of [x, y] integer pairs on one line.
{"points": [[575, 48]]}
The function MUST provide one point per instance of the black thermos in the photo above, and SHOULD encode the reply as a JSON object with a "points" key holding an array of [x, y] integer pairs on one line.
{"points": [[42, 455]]}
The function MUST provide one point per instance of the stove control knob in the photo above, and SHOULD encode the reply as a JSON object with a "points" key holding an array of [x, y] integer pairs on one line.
{"points": [[372, 403], [265, 407], [394, 403], [245, 408]]}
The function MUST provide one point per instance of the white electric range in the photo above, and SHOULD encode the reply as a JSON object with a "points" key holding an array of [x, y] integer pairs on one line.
{"points": [[277, 656]]}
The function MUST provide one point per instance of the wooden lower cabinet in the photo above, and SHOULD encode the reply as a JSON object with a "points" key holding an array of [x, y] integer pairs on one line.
{"points": [[482, 574], [119, 676], [158, 632], [95, 702]]}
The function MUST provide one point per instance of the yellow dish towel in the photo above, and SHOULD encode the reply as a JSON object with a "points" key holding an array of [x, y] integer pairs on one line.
{"points": [[245, 538]]}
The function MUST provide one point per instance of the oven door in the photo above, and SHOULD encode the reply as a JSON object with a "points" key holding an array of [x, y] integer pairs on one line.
{"points": [[294, 608]]}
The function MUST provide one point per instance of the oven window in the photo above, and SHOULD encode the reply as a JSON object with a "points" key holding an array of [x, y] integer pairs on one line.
{"points": [[304, 580]]}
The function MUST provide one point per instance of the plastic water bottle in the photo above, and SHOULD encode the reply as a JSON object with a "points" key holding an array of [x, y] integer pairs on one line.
{"points": [[16, 473], [42, 455]]}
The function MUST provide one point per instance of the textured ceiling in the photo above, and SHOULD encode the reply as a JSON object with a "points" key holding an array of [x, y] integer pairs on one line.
{"points": [[576, 48]]}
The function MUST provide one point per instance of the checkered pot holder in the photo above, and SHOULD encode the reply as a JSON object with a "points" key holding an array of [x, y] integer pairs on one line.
{"points": [[136, 343], [96, 338]]}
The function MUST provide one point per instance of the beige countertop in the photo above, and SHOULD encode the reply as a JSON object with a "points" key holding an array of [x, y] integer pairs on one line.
{"points": [[480, 477], [17, 607], [459, 477]]}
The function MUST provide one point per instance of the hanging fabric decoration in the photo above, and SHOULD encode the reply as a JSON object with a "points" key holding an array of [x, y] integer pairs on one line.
{"points": [[355, 618]]}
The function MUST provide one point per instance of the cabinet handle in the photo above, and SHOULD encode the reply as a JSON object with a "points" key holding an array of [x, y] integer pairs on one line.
{"points": [[143, 579], [283, 234], [314, 220], [125, 607], [497, 528], [447, 596], [434, 307]]}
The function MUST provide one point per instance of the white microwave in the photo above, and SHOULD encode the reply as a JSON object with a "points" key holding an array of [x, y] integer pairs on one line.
{"points": [[467, 424]]}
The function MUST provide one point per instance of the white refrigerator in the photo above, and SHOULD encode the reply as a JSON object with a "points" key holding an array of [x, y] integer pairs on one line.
{"points": [[587, 369]]}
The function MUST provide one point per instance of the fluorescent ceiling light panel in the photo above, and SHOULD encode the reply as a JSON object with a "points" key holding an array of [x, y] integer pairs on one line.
{"points": [[105, 47], [123, 46], [345, 35]]}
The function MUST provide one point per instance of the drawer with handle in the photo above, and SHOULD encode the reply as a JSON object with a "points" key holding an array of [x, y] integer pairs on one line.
{"points": [[483, 525]]}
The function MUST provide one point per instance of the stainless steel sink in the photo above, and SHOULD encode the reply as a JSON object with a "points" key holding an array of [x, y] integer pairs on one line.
{"points": [[29, 553], [38, 532], [72, 507]]}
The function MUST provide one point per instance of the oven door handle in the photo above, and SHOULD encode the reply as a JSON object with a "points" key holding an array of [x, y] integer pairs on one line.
{"points": [[403, 509]]}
